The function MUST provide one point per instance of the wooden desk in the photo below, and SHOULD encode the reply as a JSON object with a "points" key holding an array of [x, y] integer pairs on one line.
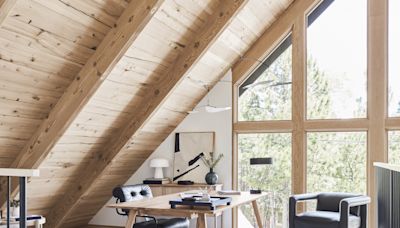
{"points": [[160, 206]]}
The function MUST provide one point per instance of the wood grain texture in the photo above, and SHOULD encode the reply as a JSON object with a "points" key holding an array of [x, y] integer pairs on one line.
{"points": [[5, 8], [377, 64], [90, 77], [155, 97]]}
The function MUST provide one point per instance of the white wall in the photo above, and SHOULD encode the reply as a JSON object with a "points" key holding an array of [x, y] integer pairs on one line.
{"points": [[220, 123]]}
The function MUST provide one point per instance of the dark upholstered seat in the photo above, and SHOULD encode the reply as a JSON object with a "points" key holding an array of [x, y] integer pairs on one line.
{"points": [[130, 193], [334, 210]]}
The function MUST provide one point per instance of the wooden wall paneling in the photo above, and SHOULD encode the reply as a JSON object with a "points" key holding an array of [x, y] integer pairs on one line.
{"points": [[156, 97], [337, 125], [5, 8], [111, 49], [393, 123], [377, 63], [263, 126], [270, 39], [299, 77]]}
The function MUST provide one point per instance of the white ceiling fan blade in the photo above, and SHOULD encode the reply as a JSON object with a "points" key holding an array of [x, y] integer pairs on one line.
{"points": [[281, 83], [213, 109]]}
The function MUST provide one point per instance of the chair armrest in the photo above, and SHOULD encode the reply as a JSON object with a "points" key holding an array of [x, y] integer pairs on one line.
{"points": [[347, 203], [302, 197], [293, 202]]}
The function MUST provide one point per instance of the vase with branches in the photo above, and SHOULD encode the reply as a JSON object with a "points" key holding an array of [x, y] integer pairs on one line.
{"points": [[210, 161]]}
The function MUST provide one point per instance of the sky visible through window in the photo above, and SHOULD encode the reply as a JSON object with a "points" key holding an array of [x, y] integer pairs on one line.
{"points": [[394, 58], [337, 43]]}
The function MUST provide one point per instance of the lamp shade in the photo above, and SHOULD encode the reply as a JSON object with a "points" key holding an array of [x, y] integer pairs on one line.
{"points": [[260, 161], [159, 163]]}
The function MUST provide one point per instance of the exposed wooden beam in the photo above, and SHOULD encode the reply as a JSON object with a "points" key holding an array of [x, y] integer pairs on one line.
{"points": [[263, 126], [5, 8], [132, 21], [152, 101], [377, 70], [270, 39]]}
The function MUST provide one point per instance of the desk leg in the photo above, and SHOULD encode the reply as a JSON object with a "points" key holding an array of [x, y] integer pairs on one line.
{"points": [[202, 221], [131, 218], [257, 213]]}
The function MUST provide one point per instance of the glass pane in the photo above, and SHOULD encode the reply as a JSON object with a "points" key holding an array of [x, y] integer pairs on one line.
{"points": [[394, 147], [336, 161], [336, 61], [275, 178], [267, 93], [394, 56]]}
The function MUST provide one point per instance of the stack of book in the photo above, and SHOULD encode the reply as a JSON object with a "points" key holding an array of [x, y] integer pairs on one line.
{"points": [[156, 181]]}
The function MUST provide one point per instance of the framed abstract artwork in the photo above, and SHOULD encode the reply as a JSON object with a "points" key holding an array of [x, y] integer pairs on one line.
{"points": [[189, 148]]}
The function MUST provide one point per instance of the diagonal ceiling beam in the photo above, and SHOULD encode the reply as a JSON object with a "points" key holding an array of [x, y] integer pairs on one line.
{"points": [[5, 8], [114, 45], [152, 101], [267, 42]]}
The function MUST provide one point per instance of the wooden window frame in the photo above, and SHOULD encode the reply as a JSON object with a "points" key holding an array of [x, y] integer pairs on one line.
{"points": [[376, 124]]}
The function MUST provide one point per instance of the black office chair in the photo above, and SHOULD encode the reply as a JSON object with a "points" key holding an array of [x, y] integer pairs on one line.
{"points": [[334, 210], [130, 193]]}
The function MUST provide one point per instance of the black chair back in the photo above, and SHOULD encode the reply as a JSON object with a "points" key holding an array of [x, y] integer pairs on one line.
{"points": [[130, 193], [331, 202]]}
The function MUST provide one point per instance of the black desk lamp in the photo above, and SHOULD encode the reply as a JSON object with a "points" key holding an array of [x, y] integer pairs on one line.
{"points": [[259, 161]]}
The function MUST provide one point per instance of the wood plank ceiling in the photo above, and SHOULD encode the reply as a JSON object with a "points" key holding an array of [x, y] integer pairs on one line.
{"points": [[44, 48]]}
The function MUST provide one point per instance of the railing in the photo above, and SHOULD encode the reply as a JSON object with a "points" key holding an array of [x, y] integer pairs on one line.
{"points": [[22, 174]]}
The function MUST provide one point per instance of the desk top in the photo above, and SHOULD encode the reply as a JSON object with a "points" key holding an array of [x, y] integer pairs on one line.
{"points": [[393, 167], [19, 172], [160, 205]]}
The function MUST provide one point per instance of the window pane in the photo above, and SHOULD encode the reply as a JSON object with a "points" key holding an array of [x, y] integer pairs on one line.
{"points": [[275, 178], [394, 56], [394, 147], [266, 94], [336, 60], [336, 161]]}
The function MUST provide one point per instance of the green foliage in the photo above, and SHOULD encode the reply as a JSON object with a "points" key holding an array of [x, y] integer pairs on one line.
{"points": [[336, 161]]}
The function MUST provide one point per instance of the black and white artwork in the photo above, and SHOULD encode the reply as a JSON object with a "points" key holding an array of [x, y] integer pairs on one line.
{"points": [[189, 148]]}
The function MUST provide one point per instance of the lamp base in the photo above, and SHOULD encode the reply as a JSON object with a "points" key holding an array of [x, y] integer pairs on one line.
{"points": [[255, 191]]}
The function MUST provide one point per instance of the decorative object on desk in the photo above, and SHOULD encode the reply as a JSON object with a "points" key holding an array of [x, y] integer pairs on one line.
{"points": [[14, 204], [185, 182], [157, 181], [189, 149], [210, 162], [259, 161], [159, 164], [199, 201]]}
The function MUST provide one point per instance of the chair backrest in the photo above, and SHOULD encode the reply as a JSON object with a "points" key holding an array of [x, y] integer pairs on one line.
{"points": [[331, 202], [129, 193]]}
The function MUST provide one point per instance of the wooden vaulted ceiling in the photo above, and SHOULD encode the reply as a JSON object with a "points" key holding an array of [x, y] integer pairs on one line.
{"points": [[89, 89]]}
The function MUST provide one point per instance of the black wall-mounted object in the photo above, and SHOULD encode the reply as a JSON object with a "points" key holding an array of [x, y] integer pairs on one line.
{"points": [[260, 161]]}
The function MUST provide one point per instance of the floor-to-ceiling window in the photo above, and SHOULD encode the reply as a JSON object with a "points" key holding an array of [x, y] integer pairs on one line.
{"points": [[266, 95], [325, 115]]}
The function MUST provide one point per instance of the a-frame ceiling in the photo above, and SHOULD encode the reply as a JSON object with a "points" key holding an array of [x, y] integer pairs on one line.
{"points": [[89, 89]]}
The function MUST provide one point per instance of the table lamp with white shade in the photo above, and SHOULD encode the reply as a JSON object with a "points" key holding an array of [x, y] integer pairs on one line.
{"points": [[159, 164]]}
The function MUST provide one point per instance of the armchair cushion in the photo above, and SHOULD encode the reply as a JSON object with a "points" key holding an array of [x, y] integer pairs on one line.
{"points": [[324, 219], [331, 202]]}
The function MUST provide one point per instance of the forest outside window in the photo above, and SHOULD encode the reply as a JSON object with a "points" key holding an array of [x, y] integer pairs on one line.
{"points": [[267, 93]]}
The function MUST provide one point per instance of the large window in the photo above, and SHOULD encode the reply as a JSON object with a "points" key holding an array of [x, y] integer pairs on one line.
{"points": [[394, 58], [330, 131], [394, 147], [336, 161], [336, 60], [267, 93], [274, 179]]}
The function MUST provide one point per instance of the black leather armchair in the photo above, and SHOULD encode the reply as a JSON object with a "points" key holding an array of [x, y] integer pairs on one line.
{"points": [[138, 192], [334, 210]]}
